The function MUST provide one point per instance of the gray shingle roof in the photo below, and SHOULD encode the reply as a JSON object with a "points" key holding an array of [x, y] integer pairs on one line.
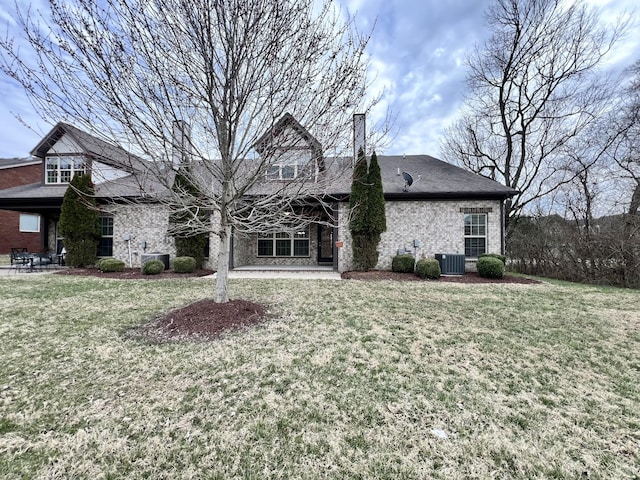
{"points": [[18, 162], [92, 146], [433, 178]]}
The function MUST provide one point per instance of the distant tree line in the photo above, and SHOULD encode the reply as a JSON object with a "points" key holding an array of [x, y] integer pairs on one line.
{"points": [[546, 118]]}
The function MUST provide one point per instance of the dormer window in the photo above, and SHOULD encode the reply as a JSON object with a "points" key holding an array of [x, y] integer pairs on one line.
{"points": [[61, 169], [289, 151], [296, 164]]}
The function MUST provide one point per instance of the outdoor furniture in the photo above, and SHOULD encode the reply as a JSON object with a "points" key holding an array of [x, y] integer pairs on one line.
{"points": [[17, 252], [39, 260], [31, 261], [20, 261]]}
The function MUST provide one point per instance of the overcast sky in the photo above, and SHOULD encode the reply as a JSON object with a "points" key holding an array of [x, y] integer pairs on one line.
{"points": [[417, 51]]}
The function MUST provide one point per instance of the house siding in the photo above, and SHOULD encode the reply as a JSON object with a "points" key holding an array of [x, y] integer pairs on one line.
{"points": [[437, 225]]}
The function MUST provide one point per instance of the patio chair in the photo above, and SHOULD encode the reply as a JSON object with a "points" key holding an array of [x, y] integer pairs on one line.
{"points": [[17, 252], [20, 261]]}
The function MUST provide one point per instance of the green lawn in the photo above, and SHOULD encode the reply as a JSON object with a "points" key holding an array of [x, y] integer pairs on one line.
{"points": [[347, 380]]}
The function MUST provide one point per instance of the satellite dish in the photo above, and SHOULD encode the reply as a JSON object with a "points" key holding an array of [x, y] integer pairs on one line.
{"points": [[408, 180]]}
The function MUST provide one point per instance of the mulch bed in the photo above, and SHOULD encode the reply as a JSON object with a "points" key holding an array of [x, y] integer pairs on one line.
{"points": [[133, 274], [469, 277], [205, 320], [208, 320]]}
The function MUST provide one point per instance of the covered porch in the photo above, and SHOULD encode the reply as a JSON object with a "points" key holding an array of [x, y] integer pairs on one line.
{"points": [[311, 248]]}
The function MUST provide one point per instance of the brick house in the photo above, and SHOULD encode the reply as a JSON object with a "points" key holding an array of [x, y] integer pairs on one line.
{"points": [[447, 210], [19, 229]]}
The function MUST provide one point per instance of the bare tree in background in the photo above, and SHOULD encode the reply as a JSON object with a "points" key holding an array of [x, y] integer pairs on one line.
{"points": [[594, 241], [130, 70], [533, 88]]}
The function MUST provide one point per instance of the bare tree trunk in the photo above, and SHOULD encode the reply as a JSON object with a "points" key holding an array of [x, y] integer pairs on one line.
{"points": [[222, 276]]}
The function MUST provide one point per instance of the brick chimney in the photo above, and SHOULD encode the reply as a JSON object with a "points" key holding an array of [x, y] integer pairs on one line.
{"points": [[359, 135], [181, 142]]}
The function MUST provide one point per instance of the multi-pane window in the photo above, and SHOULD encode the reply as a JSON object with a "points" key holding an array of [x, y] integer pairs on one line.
{"points": [[284, 244], [475, 234], [61, 169], [289, 165], [280, 171], [105, 245]]}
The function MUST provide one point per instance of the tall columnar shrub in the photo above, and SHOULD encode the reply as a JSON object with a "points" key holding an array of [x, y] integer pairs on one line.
{"points": [[80, 222], [368, 219], [189, 243], [376, 216]]}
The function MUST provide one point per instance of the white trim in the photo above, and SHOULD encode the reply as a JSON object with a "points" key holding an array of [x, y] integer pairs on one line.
{"points": [[30, 215]]}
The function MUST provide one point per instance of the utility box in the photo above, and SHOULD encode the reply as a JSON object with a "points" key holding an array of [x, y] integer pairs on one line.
{"points": [[451, 263], [163, 257]]}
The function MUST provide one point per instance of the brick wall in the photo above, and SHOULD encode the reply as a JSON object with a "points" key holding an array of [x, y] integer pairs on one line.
{"points": [[437, 225], [23, 175], [10, 235], [146, 223]]}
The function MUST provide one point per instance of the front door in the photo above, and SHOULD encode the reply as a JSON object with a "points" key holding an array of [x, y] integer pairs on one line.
{"points": [[325, 244]]}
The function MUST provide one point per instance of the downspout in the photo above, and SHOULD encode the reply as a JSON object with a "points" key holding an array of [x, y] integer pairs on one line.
{"points": [[334, 237], [231, 245], [502, 232]]}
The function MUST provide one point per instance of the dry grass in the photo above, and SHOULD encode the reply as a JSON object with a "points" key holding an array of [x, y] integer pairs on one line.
{"points": [[348, 380]]}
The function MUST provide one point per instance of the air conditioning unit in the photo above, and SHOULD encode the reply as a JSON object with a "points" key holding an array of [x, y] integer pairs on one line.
{"points": [[451, 263]]}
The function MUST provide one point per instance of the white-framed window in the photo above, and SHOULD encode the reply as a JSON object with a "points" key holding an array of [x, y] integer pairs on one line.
{"points": [[284, 244], [29, 223], [475, 234], [61, 169], [105, 245], [292, 164]]}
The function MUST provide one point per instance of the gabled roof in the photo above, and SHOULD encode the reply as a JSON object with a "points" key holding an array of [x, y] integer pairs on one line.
{"points": [[433, 179], [92, 146], [270, 137]]}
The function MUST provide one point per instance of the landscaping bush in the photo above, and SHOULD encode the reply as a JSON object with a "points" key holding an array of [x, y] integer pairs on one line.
{"points": [[404, 263], [502, 258], [152, 267], [490, 267], [428, 268], [184, 264], [110, 265]]}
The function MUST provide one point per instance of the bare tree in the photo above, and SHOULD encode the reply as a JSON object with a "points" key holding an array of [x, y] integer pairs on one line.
{"points": [[533, 87], [130, 70]]}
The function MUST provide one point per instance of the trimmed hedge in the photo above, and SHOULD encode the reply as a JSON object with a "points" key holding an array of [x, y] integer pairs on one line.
{"points": [[404, 263], [110, 265], [490, 267], [428, 268], [184, 264], [502, 258], [152, 267]]}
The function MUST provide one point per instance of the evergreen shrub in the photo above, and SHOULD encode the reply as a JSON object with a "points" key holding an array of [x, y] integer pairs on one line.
{"points": [[490, 267], [502, 258], [110, 265], [184, 264], [403, 263], [428, 268], [152, 267]]}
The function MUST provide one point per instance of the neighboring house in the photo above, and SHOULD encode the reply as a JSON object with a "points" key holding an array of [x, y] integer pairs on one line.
{"points": [[446, 210], [19, 229]]}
